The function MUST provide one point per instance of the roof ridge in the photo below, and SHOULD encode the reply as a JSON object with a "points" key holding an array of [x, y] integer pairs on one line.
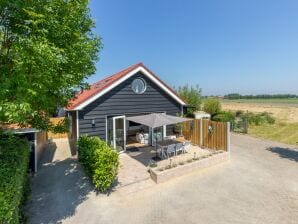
{"points": [[121, 71], [106, 82]]}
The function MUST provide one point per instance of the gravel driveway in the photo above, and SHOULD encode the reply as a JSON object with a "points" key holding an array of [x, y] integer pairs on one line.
{"points": [[258, 185]]}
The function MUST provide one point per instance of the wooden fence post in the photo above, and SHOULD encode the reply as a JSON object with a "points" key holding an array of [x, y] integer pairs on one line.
{"points": [[201, 132], [228, 137]]}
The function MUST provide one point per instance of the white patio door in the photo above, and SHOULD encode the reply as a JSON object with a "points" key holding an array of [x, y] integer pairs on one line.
{"points": [[119, 133]]}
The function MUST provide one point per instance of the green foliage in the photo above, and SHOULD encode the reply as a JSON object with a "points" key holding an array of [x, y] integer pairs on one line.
{"points": [[14, 160], [178, 127], [258, 119], [192, 95], [61, 127], [99, 161], [47, 48], [224, 116], [212, 106]]}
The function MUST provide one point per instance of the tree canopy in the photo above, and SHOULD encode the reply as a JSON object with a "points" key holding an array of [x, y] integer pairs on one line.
{"points": [[47, 48], [212, 106], [192, 95]]}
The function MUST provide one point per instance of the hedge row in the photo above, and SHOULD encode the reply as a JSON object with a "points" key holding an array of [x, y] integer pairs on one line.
{"points": [[100, 162], [14, 160]]}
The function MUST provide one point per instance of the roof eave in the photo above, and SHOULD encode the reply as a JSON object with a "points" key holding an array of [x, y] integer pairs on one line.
{"points": [[140, 68]]}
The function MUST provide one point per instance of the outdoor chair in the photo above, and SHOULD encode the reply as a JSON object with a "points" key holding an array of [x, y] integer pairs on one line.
{"points": [[186, 146], [146, 138], [180, 148], [161, 150], [171, 149]]}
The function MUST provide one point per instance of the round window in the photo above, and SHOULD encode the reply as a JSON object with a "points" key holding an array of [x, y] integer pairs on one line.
{"points": [[138, 86]]}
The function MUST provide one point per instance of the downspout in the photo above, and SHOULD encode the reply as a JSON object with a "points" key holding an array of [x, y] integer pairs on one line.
{"points": [[77, 124]]}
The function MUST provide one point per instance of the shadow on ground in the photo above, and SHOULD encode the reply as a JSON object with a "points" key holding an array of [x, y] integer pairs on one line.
{"points": [[142, 154], [286, 153], [57, 189]]}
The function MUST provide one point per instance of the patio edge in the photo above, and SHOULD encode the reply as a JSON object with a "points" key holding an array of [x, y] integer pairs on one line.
{"points": [[162, 176]]}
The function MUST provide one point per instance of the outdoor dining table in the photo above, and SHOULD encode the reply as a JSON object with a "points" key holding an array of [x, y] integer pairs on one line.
{"points": [[163, 146], [167, 142]]}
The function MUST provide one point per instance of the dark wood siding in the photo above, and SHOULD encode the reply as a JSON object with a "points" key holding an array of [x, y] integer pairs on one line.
{"points": [[122, 101]]}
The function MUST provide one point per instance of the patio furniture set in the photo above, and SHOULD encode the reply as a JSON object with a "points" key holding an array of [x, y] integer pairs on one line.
{"points": [[170, 147], [142, 138]]}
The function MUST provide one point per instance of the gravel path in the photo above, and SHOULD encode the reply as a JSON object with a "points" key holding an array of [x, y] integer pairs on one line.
{"points": [[258, 185]]}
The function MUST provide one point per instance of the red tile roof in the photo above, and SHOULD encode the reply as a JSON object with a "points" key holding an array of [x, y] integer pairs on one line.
{"points": [[12, 126], [106, 82]]}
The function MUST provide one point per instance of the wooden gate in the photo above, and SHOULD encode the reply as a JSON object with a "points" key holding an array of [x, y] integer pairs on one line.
{"points": [[191, 131], [209, 134]]}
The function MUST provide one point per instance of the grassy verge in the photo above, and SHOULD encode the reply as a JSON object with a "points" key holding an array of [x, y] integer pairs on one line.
{"points": [[280, 131]]}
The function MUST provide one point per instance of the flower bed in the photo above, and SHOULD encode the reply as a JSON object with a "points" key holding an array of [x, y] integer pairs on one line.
{"points": [[162, 174]]}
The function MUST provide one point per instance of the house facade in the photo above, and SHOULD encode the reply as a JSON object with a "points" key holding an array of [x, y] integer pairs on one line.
{"points": [[102, 110]]}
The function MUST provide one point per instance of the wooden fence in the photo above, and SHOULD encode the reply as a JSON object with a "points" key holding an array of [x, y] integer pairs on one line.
{"points": [[56, 120], [208, 134]]}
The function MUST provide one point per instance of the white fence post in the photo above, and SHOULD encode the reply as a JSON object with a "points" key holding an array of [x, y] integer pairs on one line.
{"points": [[201, 132], [228, 137]]}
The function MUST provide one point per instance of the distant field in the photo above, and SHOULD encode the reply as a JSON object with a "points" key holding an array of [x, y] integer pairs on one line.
{"points": [[285, 111], [284, 102]]}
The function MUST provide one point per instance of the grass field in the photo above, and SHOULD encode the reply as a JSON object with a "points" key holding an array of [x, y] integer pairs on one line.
{"points": [[280, 102], [285, 111]]}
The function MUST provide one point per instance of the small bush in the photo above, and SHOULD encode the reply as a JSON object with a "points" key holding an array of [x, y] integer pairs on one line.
{"points": [[161, 169], [189, 160], [238, 113], [168, 167], [269, 119], [152, 164], [100, 162], [224, 116], [14, 184]]}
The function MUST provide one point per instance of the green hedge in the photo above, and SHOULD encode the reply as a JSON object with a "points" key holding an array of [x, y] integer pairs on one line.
{"points": [[100, 162], [14, 160]]}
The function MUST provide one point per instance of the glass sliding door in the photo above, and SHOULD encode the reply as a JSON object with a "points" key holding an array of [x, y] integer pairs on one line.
{"points": [[119, 133], [110, 132], [116, 132]]}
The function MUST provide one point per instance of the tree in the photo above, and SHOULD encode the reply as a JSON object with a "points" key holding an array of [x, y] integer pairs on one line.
{"points": [[212, 106], [192, 95], [47, 49]]}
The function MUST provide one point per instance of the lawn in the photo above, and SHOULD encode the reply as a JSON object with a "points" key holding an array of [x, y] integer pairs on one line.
{"points": [[281, 132], [285, 111]]}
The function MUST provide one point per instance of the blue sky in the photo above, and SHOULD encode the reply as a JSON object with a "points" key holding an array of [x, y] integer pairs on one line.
{"points": [[246, 46]]}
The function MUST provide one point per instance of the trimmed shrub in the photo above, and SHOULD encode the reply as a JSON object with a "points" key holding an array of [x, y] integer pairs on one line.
{"points": [[14, 184], [100, 162]]}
